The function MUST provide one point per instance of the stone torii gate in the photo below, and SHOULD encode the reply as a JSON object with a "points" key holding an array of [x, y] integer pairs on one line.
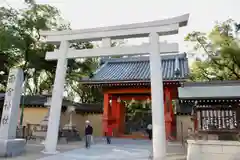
{"points": [[152, 30]]}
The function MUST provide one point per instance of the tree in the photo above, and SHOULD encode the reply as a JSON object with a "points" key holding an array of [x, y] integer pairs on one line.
{"points": [[85, 93], [3, 71], [21, 46], [82, 68], [20, 39], [223, 53]]}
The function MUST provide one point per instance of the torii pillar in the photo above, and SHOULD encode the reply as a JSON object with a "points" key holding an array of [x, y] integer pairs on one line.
{"points": [[149, 29]]}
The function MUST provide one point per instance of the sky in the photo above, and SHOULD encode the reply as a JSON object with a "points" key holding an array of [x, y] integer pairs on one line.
{"points": [[96, 13]]}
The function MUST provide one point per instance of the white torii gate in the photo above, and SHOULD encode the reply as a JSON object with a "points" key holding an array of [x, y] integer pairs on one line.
{"points": [[152, 29]]}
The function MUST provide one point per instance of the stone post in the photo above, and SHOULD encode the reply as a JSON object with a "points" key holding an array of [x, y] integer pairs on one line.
{"points": [[56, 104], [159, 137], [9, 145]]}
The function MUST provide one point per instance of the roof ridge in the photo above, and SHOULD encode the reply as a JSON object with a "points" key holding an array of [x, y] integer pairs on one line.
{"points": [[212, 83], [146, 58]]}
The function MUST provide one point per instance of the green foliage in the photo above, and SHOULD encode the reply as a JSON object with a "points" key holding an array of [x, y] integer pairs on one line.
{"points": [[222, 48], [138, 107], [21, 46], [20, 40]]}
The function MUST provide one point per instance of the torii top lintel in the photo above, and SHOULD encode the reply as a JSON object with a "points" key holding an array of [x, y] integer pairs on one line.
{"points": [[163, 27]]}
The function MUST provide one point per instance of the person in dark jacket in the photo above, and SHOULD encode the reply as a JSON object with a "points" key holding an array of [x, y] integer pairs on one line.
{"points": [[88, 134], [149, 131]]}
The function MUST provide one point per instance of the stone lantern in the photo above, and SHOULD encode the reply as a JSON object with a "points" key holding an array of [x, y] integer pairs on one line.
{"points": [[70, 111]]}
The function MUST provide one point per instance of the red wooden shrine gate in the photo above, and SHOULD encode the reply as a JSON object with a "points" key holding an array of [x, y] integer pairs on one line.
{"points": [[115, 110], [127, 78]]}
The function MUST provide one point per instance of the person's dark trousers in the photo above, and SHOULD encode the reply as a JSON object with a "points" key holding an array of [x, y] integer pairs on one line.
{"points": [[149, 132], [150, 135], [88, 141], [108, 139]]}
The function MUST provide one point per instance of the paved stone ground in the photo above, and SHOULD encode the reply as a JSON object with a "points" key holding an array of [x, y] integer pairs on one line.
{"points": [[120, 149], [33, 151]]}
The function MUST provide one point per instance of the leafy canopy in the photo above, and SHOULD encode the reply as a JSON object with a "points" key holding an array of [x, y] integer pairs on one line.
{"points": [[221, 47], [21, 46]]}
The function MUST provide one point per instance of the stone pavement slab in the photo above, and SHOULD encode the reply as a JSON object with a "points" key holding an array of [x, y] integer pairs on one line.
{"points": [[33, 151], [105, 152], [120, 150]]}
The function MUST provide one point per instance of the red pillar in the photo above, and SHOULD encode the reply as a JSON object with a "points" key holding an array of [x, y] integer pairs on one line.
{"points": [[114, 114], [168, 111], [170, 96], [114, 106], [165, 105], [118, 117], [106, 112]]}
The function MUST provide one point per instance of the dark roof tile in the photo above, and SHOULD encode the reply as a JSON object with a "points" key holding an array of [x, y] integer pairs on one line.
{"points": [[40, 100], [174, 67], [212, 83]]}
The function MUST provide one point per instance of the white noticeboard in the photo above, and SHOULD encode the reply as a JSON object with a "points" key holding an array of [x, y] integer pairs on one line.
{"points": [[10, 113]]}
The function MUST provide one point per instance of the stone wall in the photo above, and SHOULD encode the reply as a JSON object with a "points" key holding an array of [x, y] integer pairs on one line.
{"points": [[34, 115], [183, 123], [79, 121], [213, 149]]}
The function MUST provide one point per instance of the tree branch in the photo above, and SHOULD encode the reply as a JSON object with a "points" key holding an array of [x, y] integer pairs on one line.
{"points": [[215, 61]]}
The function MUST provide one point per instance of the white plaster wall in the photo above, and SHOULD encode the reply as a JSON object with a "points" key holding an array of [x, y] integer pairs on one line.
{"points": [[213, 150], [210, 91]]}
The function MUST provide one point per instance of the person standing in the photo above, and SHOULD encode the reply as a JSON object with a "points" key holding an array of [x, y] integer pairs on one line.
{"points": [[149, 131], [88, 134], [108, 134]]}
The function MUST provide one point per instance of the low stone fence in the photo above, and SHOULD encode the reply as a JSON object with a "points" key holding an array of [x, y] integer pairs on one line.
{"points": [[213, 150]]}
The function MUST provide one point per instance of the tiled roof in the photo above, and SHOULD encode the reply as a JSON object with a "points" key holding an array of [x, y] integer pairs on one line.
{"points": [[174, 67], [40, 100], [34, 100], [212, 83]]}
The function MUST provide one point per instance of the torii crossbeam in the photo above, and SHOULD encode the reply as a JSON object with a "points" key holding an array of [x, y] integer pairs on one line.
{"points": [[148, 29]]}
